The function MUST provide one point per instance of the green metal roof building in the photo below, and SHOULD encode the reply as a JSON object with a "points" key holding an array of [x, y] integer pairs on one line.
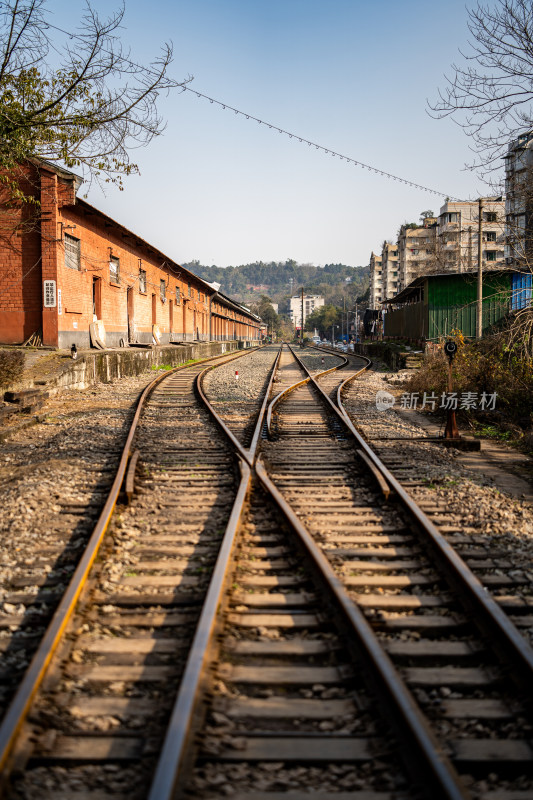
{"points": [[433, 306]]}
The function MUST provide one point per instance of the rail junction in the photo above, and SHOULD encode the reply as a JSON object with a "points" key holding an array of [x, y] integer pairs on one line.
{"points": [[263, 610]]}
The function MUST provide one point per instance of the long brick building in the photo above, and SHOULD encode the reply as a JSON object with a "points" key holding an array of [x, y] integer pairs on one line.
{"points": [[78, 276]]}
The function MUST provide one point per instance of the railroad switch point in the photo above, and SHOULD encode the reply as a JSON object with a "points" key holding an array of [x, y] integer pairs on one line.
{"points": [[460, 443]]}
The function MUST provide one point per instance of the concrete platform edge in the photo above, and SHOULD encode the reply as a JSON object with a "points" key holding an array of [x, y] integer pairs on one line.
{"points": [[106, 366]]}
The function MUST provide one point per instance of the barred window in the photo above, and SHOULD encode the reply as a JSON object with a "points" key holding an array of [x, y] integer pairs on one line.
{"points": [[491, 255], [177, 294], [142, 281], [114, 269], [72, 252], [163, 289], [189, 287], [199, 295]]}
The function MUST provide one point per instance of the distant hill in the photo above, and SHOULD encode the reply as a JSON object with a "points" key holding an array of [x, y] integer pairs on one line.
{"points": [[248, 282]]}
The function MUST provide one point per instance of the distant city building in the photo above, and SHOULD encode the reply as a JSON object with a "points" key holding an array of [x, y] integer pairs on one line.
{"points": [[519, 201], [457, 245], [311, 301], [376, 280], [389, 269], [275, 306], [449, 243], [416, 250]]}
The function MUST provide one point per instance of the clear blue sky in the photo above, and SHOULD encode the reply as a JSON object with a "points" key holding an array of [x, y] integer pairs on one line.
{"points": [[351, 75]]}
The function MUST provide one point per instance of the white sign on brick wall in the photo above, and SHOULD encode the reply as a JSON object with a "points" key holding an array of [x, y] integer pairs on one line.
{"points": [[49, 294]]}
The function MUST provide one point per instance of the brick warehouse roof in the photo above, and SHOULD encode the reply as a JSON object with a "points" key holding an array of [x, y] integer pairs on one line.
{"points": [[109, 221]]}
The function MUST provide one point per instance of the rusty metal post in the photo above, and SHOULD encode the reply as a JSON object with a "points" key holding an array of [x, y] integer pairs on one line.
{"points": [[451, 431]]}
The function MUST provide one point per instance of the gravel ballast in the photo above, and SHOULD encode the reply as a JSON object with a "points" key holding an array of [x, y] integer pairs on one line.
{"points": [[469, 500]]}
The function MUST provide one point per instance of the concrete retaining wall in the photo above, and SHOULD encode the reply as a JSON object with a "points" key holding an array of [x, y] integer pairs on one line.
{"points": [[106, 366], [392, 355]]}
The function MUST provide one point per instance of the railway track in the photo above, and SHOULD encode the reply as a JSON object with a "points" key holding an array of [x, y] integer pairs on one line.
{"points": [[333, 652], [497, 562], [420, 600], [466, 726], [102, 703], [54, 483]]}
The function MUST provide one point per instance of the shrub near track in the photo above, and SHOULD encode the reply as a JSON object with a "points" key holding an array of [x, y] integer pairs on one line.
{"points": [[487, 366]]}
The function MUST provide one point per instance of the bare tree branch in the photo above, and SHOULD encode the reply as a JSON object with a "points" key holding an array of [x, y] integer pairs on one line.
{"points": [[88, 112], [490, 94]]}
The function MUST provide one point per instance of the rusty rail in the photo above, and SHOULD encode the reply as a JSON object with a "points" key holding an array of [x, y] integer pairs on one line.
{"points": [[34, 675], [429, 756], [487, 614], [177, 738]]}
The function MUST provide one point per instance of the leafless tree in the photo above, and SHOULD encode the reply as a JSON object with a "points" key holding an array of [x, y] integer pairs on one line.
{"points": [[87, 104], [490, 94]]}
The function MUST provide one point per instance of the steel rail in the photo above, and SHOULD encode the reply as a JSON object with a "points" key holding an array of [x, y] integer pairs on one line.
{"points": [[510, 643], [220, 422], [493, 622], [429, 755], [432, 759], [21, 703], [291, 388], [261, 417], [177, 737]]}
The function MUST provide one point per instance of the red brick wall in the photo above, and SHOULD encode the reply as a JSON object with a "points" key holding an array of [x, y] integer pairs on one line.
{"points": [[20, 269], [32, 253], [99, 241]]}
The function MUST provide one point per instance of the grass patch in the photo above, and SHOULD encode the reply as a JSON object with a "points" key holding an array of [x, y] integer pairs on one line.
{"points": [[493, 432]]}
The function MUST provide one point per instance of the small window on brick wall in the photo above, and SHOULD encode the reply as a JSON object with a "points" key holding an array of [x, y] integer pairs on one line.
{"points": [[189, 288], [114, 269], [72, 252], [163, 290], [177, 294], [142, 281]]}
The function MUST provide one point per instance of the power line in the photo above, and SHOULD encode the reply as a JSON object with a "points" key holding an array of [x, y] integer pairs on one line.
{"points": [[325, 150], [271, 126]]}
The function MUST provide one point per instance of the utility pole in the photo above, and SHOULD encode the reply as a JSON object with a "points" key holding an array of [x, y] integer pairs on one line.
{"points": [[479, 304], [302, 328]]}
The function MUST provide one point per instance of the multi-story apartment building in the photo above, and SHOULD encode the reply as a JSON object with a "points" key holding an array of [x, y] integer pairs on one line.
{"points": [[311, 301], [457, 236], [376, 281], [448, 243], [389, 268], [416, 250], [519, 201]]}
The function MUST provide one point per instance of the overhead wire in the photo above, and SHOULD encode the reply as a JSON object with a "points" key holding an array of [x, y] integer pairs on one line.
{"points": [[272, 126], [327, 151]]}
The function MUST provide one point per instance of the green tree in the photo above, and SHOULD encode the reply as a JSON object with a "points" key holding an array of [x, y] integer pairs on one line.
{"points": [[322, 319], [89, 109]]}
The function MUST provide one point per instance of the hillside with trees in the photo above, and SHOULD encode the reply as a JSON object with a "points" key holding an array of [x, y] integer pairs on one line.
{"points": [[247, 283]]}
